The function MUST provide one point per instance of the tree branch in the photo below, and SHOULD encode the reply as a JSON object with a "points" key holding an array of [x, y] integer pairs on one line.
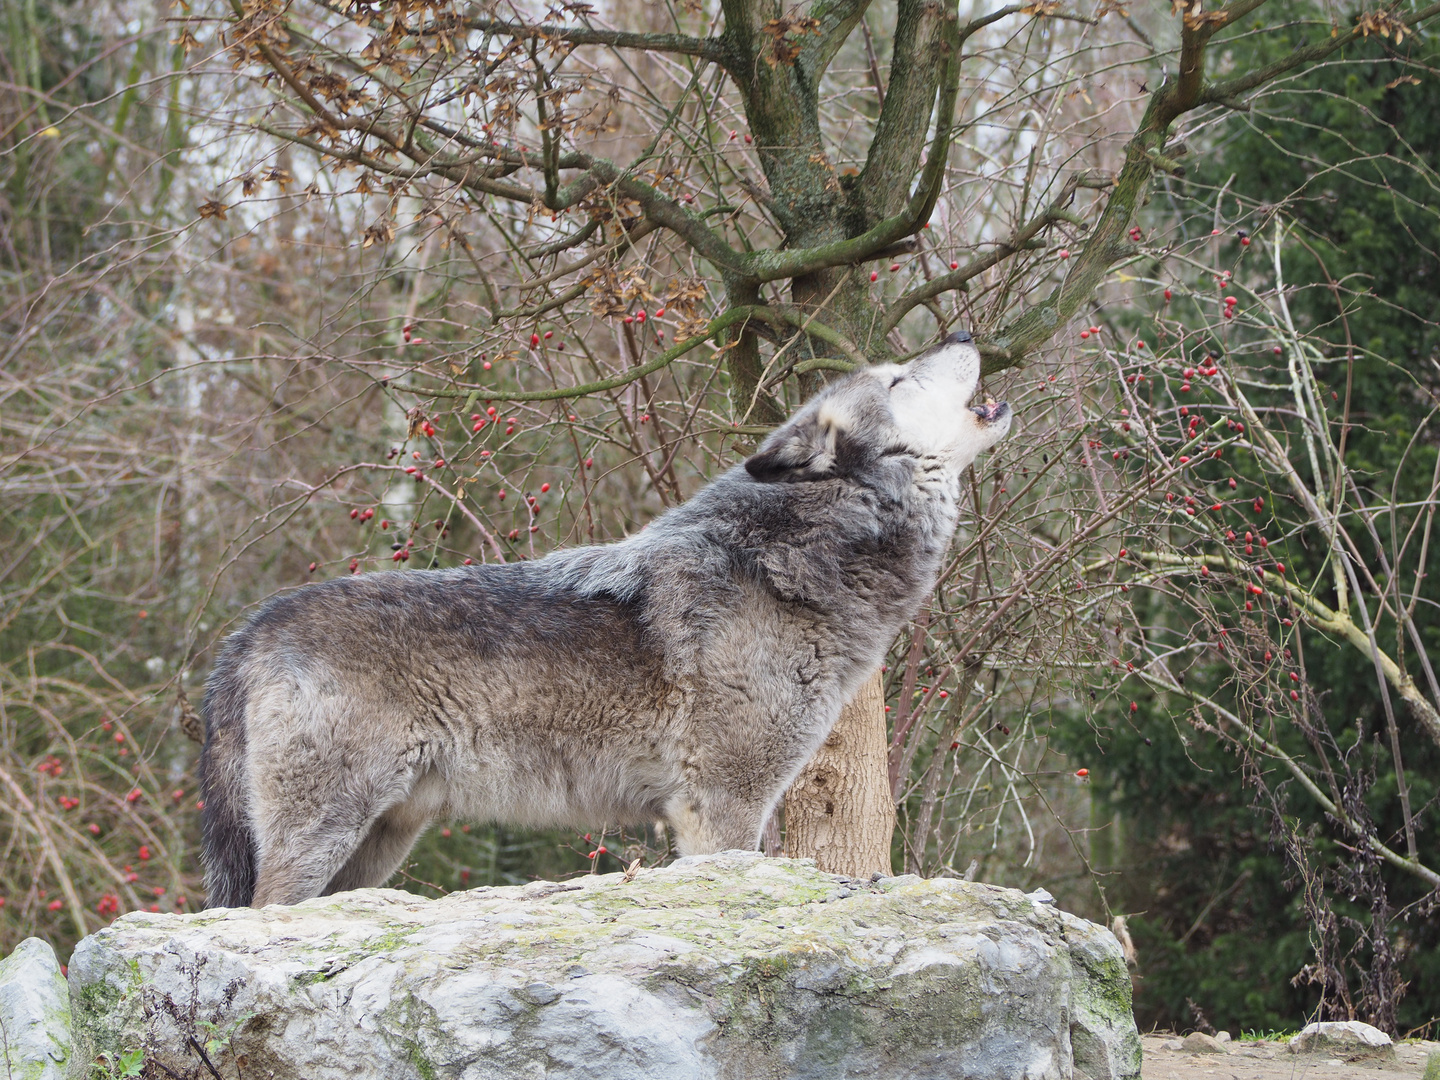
{"points": [[837, 19], [1223, 92], [899, 138], [1318, 615], [1248, 735], [681, 44], [956, 279], [1107, 241], [775, 265]]}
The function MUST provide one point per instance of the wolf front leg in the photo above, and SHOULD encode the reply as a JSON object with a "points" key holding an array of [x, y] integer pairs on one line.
{"points": [[710, 819]]}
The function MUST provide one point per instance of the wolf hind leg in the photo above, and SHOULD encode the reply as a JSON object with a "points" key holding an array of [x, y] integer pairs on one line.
{"points": [[382, 851], [302, 848]]}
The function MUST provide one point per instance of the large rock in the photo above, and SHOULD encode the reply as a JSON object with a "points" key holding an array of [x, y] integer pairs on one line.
{"points": [[34, 1013], [730, 966]]}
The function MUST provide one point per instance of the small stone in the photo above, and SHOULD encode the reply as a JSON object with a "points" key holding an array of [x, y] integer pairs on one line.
{"points": [[1173, 1044], [34, 1013], [1349, 1039], [1197, 1042], [1040, 896], [1222, 1036]]}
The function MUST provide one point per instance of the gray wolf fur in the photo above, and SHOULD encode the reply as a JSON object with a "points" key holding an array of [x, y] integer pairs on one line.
{"points": [[684, 674]]}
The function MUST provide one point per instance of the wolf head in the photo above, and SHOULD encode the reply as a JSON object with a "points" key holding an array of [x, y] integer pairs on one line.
{"points": [[920, 410]]}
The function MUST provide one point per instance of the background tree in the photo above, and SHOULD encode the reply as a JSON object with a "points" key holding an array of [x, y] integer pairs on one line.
{"points": [[401, 285]]}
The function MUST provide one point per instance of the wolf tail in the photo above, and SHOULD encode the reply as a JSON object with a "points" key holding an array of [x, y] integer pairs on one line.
{"points": [[227, 838]]}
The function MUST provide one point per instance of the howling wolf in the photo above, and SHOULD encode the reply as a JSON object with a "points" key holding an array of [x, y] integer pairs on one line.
{"points": [[683, 675]]}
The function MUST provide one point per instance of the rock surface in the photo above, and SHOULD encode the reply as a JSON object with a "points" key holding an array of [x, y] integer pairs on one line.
{"points": [[728, 966], [34, 1013], [1349, 1039]]}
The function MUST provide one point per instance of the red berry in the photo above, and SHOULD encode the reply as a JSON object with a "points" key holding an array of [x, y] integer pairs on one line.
{"points": [[312, 567], [534, 340], [954, 266], [1167, 295], [544, 488], [1082, 773], [874, 275]]}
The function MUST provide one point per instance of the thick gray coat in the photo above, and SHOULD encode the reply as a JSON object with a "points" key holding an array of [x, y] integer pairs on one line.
{"points": [[684, 674]]}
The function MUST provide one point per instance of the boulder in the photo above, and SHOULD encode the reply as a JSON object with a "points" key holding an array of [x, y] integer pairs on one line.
{"points": [[1197, 1042], [34, 1013], [728, 966], [1348, 1039]]}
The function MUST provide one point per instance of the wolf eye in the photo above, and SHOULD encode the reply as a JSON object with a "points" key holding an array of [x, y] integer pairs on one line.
{"points": [[896, 381]]}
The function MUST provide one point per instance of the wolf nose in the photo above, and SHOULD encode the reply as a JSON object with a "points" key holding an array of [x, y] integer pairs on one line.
{"points": [[959, 337], [990, 411]]}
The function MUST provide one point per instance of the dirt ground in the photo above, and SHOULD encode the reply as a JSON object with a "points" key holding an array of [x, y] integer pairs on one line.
{"points": [[1273, 1061]]}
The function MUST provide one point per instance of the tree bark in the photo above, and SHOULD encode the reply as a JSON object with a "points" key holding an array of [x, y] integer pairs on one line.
{"points": [[839, 811]]}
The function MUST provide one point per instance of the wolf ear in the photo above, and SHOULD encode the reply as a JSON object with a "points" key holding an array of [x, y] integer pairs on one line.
{"points": [[802, 450]]}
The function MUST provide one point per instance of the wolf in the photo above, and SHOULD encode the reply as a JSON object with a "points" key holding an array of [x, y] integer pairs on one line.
{"points": [[684, 674]]}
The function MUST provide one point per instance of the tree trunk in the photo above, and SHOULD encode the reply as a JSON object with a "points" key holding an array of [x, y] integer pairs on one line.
{"points": [[839, 810]]}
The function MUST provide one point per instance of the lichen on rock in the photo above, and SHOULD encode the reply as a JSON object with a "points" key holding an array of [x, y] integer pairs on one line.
{"points": [[715, 967]]}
